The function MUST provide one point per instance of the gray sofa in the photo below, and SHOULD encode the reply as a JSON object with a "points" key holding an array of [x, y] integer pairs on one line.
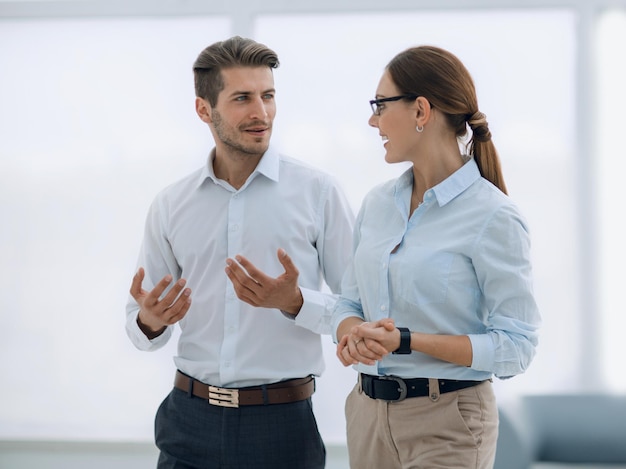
{"points": [[570, 428]]}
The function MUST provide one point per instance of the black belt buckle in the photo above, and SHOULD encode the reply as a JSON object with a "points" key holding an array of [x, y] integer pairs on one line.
{"points": [[402, 389]]}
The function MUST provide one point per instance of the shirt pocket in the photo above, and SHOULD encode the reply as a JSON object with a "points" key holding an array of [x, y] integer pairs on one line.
{"points": [[421, 275]]}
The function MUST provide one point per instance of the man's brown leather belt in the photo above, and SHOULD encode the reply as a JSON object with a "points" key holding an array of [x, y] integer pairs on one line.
{"points": [[276, 393]]}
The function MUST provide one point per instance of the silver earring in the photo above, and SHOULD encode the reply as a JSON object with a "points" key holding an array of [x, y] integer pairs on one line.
{"points": [[419, 129]]}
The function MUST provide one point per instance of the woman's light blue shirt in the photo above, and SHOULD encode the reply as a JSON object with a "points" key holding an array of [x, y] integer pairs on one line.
{"points": [[459, 265]]}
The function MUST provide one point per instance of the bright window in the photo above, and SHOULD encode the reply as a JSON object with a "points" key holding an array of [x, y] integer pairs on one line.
{"points": [[611, 100], [96, 117]]}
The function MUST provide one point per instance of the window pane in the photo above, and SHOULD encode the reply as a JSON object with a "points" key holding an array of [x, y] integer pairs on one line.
{"points": [[96, 117], [330, 67], [611, 168]]}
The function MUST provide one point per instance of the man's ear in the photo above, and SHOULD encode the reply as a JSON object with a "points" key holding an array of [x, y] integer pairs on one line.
{"points": [[203, 109]]}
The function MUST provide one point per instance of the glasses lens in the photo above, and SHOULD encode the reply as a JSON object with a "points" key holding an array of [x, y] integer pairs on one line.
{"points": [[375, 107]]}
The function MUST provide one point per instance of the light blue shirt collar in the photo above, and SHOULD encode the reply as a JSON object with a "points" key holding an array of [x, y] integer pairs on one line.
{"points": [[449, 188]]}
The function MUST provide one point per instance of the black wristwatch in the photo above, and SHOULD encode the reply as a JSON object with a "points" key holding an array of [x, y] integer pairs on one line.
{"points": [[405, 341]]}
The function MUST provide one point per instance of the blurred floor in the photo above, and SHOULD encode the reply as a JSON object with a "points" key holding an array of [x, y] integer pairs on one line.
{"points": [[92, 455], [102, 455]]}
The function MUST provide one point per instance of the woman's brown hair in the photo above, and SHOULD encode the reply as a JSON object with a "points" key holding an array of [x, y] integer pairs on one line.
{"points": [[441, 78]]}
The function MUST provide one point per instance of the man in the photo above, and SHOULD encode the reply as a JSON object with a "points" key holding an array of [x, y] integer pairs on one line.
{"points": [[249, 346]]}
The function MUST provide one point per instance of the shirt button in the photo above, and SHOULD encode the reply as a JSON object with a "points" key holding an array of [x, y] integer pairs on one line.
{"points": [[383, 308], [235, 227]]}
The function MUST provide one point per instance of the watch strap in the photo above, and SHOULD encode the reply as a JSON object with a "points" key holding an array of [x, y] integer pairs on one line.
{"points": [[405, 341]]}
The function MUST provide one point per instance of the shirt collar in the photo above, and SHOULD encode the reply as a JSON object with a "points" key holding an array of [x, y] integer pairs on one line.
{"points": [[450, 187], [457, 182], [269, 166]]}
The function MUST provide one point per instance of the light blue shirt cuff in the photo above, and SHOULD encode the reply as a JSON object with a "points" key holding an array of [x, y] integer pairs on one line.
{"points": [[483, 352]]}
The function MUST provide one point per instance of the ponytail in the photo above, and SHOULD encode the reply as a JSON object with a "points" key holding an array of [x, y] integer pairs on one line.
{"points": [[484, 151]]}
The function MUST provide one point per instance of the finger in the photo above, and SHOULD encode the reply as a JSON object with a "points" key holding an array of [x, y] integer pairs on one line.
{"points": [[339, 353], [385, 323], [360, 352], [241, 274], [290, 268], [340, 357], [352, 345], [376, 331], [251, 271], [388, 324], [343, 341], [236, 271], [373, 349], [153, 297], [245, 287], [171, 296], [345, 359], [180, 307], [344, 355], [135, 286], [363, 354], [342, 351]]}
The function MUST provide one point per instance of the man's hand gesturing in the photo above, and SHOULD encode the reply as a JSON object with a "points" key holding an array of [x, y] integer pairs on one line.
{"points": [[258, 289], [156, 313]]}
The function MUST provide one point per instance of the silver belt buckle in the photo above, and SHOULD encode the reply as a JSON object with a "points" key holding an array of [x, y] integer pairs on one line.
{"points": [[401, 386], [223, 397]]}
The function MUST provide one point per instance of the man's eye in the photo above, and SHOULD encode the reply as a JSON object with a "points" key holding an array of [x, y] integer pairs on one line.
{"points": [[241, 98], [268, 96]]}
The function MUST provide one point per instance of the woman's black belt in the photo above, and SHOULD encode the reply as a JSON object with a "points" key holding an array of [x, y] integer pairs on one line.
{"points": [[392, 388]]}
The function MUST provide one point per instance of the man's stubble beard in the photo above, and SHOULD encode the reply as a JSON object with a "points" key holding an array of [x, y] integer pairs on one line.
{"points": [[229, 137]]}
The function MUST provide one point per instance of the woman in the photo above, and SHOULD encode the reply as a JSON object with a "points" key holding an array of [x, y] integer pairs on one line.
{"points": [[438, 298]]}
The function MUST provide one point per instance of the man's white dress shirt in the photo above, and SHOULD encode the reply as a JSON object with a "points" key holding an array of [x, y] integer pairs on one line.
{"points": [[194, 225]]}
